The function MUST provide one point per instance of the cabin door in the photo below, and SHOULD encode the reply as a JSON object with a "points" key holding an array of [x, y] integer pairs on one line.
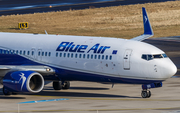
{"points": [[39, 56], [126, 58]]}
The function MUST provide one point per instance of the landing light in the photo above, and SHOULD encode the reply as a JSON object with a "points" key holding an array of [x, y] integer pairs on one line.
{"points": [[47, 69]]}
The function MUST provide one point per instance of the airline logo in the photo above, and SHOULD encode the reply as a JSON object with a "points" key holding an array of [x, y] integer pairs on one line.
{"points": [[23, 78], [145, 18], [71, 47]]}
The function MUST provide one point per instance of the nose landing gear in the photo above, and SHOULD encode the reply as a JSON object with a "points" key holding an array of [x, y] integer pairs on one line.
{"points": [[146, 93]]}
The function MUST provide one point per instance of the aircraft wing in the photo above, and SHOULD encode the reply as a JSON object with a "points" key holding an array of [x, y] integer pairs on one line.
{"points": [[148, 32], [43, 70]]}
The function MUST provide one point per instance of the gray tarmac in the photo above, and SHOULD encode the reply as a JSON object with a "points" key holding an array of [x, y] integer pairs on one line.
{"points": [[89, 97]]}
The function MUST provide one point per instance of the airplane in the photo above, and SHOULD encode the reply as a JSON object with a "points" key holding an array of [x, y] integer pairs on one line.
{"points": [[28, 60]]}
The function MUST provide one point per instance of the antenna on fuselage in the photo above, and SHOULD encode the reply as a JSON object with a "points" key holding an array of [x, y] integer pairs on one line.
{"points": [[46, 32]]}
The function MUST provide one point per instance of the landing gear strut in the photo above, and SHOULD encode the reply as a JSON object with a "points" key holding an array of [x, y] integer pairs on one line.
{"points": [[58, 85], [146, 93]]}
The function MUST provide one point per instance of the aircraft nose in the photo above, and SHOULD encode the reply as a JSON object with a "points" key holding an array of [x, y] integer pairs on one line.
{"points": [[170, 70]]}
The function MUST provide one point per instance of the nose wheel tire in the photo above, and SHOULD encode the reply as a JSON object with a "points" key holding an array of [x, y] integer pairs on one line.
{"points": [[146, 94], [6, 92]]}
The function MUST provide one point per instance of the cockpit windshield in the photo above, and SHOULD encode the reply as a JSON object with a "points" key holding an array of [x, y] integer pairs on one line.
{"points": [[164, 55], [155, 56]]}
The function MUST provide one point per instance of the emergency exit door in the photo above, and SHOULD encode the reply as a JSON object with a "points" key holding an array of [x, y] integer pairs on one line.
{"points": [[126, 58]]}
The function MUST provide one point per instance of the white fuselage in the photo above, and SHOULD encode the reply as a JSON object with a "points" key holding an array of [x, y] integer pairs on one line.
{"points": [[108, 57]]}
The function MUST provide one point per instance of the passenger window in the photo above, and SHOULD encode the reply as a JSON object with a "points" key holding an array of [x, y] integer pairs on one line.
{"points": [[49, 53], [110, 57], [39, 53], [10, 51], [79, 55], [95, 56], [68, 55], [64, 54], [24, 52], [32, 53], [84, 55], [99, 56], [91, 56], [106, 57], [76, 55], [88, 56], [60, 54], [27, 53], [2, 51], [42, 53], [45, 53], [20, 52], [102, 56], [56, 54], [7, 52], [71, 55]]}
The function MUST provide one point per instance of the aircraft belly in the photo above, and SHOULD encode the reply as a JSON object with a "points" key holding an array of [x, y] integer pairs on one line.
{"points": [[102, 77]]}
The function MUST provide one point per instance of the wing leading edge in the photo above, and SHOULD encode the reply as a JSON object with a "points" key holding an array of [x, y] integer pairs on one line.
{"points": [[148, 32]]}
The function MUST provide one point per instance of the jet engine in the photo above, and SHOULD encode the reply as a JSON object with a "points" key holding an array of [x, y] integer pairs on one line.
{"points": [[23, 81]]}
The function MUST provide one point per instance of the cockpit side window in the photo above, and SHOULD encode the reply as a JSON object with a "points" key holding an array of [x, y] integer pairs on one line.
{"points": [[149, 57], [144, 57]]}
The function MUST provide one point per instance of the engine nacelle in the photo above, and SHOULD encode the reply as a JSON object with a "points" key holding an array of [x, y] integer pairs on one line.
{"points": [[23, 81]]}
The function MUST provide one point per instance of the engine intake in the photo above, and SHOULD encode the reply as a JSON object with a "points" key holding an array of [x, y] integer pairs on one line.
{"points": [[23, 81]]}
